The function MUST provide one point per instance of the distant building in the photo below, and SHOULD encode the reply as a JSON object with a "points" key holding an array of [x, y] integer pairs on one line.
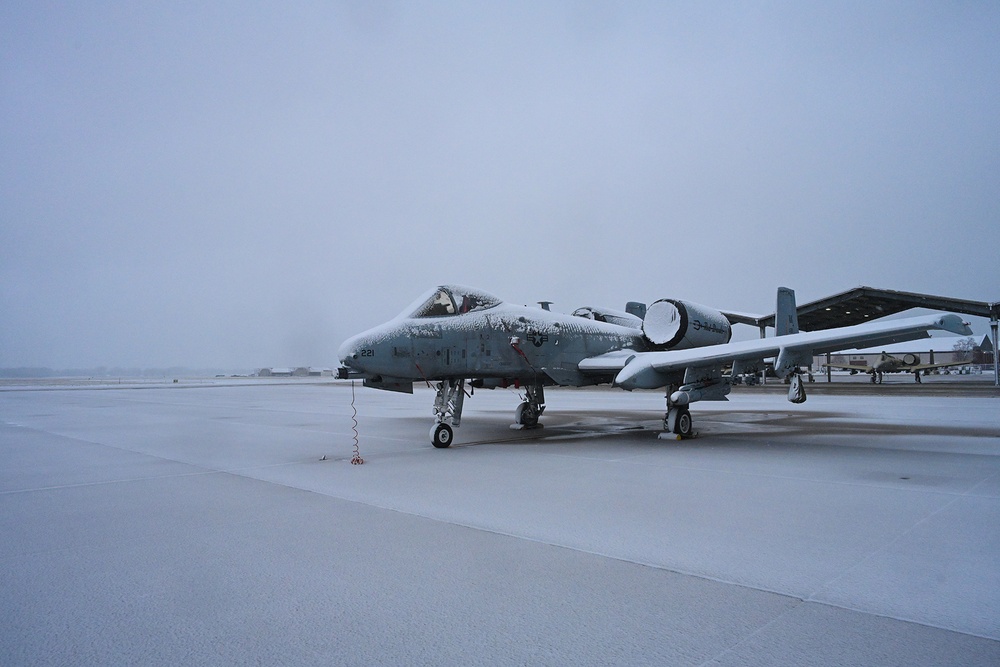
{"points": [[983, 353], [275, 373], [301, 371]]}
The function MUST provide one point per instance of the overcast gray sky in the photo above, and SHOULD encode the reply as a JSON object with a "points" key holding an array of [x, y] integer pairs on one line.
{"points": [[233, 185]]}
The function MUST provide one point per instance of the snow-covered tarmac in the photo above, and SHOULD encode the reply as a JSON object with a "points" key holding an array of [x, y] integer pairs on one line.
{"points": [[197, 524]]}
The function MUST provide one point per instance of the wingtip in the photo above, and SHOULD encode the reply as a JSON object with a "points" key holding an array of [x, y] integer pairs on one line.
{"points": [[955, 325]]}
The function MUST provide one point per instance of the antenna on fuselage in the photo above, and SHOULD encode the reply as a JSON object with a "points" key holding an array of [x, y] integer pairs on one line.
{"points": [[545, 305]]}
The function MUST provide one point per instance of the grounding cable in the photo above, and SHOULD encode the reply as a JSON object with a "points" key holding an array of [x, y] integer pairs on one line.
{"points": [[357, 460]]}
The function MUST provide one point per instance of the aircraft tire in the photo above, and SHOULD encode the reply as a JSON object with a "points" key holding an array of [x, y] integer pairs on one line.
{"points": [[442, 435], [525, 416], [680, 423], [684, 424]]}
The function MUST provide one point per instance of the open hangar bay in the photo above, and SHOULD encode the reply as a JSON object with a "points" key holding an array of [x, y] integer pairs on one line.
{"points": [[198, 523]]}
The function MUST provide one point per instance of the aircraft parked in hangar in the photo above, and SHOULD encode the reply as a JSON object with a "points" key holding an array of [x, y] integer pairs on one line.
{"points": [[886, 363], [453, 335]]}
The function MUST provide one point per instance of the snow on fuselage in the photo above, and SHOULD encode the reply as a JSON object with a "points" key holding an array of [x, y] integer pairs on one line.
{"points": [[498, 340]]}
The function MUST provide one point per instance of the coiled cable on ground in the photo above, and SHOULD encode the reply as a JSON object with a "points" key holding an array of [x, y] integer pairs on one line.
{"points": [[356, 460]]}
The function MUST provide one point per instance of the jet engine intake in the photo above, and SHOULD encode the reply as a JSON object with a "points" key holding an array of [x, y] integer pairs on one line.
{"points": [[911, 359], [671, 324]]}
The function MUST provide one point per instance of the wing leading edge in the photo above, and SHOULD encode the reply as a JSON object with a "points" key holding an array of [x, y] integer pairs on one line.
{"points": [[651, 370]]}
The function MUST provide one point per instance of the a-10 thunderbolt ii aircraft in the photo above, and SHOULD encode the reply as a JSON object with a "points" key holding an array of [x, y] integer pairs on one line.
{"points": [[886, 363], [453, 335]]}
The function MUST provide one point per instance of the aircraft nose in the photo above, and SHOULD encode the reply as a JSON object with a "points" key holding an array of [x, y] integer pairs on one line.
{"points": [[348, 352]]}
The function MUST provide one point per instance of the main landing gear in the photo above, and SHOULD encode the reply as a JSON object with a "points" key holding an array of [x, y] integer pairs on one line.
{"points": [[528, 412], [678, 424], [678, 421]]}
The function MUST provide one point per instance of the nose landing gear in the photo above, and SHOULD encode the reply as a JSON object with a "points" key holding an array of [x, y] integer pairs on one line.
{"points": [[447, 411]]}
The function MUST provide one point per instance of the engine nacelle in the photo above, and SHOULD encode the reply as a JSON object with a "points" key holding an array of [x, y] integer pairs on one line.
{"points": [[671, 324], [610, 316], [911, 359]]}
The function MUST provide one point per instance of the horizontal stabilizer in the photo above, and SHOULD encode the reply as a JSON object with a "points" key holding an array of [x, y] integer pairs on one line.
{"points": [[743, 318]]}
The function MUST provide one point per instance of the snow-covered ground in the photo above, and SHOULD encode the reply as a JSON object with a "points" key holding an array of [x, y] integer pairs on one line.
{"points": [[198, 523]]}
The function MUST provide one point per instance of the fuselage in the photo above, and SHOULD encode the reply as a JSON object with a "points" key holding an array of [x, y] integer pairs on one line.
{"points": [[889, 364], [445, 338]]}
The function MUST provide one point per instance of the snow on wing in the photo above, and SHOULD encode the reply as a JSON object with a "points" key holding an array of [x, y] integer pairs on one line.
{"points": [[645, 369]]}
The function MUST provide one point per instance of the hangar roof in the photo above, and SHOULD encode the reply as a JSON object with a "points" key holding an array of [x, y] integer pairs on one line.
{"points": [[863, 304]]}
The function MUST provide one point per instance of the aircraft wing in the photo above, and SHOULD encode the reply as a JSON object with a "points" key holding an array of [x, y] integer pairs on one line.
{"points": [[927, 367], [650, 370], [849, 367], [610, 361]]}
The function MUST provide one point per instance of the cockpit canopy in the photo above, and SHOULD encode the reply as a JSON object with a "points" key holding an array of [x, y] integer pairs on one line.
{"points": [[448, 300]]}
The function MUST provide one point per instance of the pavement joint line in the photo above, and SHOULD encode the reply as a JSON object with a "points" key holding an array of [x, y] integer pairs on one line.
{"points": [[760, 629], [202, 469]]}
